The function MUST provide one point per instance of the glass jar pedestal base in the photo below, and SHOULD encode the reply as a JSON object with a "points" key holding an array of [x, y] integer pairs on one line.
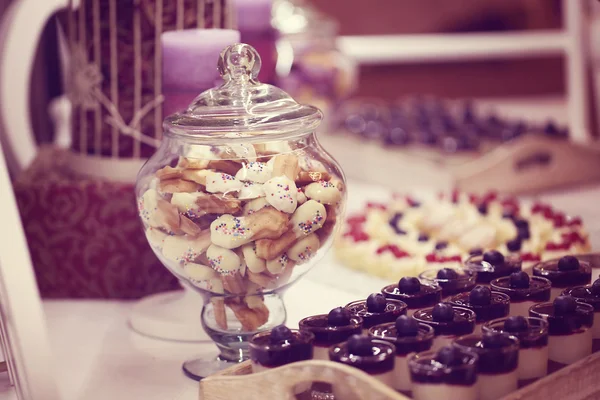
{"points": [[169, 316], [233, 341], [201, 368]]}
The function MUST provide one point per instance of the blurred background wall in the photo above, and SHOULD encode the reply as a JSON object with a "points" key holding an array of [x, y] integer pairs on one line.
{"points": [[473, 79], [359, 17]]}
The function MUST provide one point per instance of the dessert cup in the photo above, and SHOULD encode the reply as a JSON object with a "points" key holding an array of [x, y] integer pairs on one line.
{"points": [[239, 202], [406, 347], [432, 380], [523, 298], [427, 295], [462, 323], [563, 278], [497, 365], [487, 272], [464, 281], [533, 347], [569, 334]]}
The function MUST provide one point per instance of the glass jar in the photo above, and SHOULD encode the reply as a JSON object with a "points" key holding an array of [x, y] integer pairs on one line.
{"points": [[309, 65], [239, 202]]}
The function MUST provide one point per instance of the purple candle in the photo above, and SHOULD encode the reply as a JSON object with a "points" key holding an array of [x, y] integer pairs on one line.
{"points": [[189, 64]]}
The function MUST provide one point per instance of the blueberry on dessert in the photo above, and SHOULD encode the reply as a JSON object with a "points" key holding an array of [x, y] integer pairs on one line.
{"points": [[533, 344], [280, 346], [589, 294], [371, 355], [523, 291], [377, 309], [447, 321], [569, 329], [497, 364], [493, 264], [449, 373], [409, 337], [564, 273], [486, 305], [329, 329], [451, 280], [414, 293]]}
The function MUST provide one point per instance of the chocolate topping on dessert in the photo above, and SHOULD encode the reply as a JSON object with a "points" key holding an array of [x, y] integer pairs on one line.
{"points": [[414, 293], [565, 316], [406, 334], [520, 287], [377, 310], [281, 346], [486, 304], [326, 333], [492, 264], [452, 281], [531, 332], [449, 365], [373, 356], [498, 352], [589, 294], [566, 272], [461, 323]]}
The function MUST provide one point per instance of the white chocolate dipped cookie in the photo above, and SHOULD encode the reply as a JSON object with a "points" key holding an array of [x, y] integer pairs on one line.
{"points": [[309, 217], [253, 262], [230, 232], [156, 237], [218, 182], [183, 249], [281, 193], [255, 205], [304, 249], [277, 265], [251, 190], [224, 261], [199, 273], [324, 192], [255, 171]]}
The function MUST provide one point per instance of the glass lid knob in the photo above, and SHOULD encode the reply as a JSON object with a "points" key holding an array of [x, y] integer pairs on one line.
{"points": [[240, 63]]}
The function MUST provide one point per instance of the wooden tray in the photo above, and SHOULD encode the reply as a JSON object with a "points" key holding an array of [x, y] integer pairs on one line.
{"points": [[529, 164], [580, 381]]}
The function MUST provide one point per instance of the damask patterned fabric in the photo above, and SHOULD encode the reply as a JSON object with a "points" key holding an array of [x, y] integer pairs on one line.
{"points": [[84, 235]]}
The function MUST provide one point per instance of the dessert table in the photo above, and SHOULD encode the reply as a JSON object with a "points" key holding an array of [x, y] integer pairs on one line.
{"points": [[98, 357]]}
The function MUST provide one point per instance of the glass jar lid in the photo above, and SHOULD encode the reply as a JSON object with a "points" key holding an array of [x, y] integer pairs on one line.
{"points": [[242, 107]]}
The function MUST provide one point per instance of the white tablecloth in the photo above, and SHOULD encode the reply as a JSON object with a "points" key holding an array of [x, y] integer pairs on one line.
{"points": [[99, 358]]}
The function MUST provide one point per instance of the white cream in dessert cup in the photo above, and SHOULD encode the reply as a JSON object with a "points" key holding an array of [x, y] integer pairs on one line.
{"points": [[406, 347], [379, 363], [463, 281], [563, 278], [327, 335], [432, 380], [533, 346], [538, 290], [569, 333], [497, 365], [446, 332]]}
